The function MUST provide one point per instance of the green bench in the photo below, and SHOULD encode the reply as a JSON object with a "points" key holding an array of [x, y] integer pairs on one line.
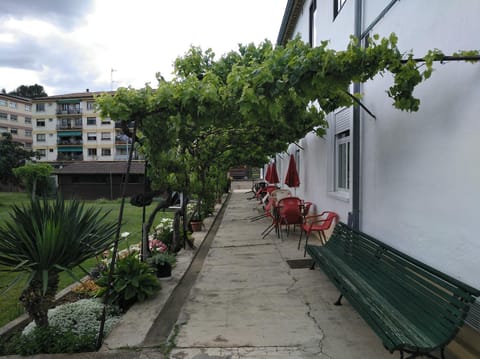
{"points": [[412, 307]]}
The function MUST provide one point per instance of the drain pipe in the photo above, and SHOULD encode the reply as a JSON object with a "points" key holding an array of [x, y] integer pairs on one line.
{"points": [[354, 215]]}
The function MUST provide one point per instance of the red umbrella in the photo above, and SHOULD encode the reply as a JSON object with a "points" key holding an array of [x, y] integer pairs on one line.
{"points": [[268, 174], [274, 174], [291, 178]]}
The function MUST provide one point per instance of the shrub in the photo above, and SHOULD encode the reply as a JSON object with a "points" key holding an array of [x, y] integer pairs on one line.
{"points": [[132, 281], [81, 317], [73, 328]]}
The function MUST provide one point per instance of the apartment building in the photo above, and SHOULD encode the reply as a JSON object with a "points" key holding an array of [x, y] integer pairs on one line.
{"points": [[67, 128], [16, 118]]}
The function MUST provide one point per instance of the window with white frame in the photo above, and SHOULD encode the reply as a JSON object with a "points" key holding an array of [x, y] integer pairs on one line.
{"points": [[41, 137], [106, 121], [28, 133], [28, 108], [14, 118], [3, 116], [342, 161], [3, 129], [40, 107], [14, 131], [12, 104], [42, 152], [91, 136], [28, 120], [341, 152], [92, 151], [91, 105], [91, 121], [40, 123], [337, 6], [106, 152], [3, 102], [106, 136]]}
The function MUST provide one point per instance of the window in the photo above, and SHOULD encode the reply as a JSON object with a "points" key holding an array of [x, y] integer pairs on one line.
{"points": [[40, 123], [78, 122], [28, 108], [91, 120], [42, 152], [106, 152], [3, 102], [3, 129], [92, 151], [28, 145], [106, 121], [28, 120], [91, 136], [12, 104], [106, 136], [337, 6], [41, 137], [40, 107], [13, 118], [91, 105], [3, 116], [342, 161], [28, 133], [14, 131], [341, 149], [122, 151], [50, 150], [311, 23]]}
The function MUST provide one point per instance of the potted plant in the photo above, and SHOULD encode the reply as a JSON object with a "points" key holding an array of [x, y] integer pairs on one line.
{"points": [[194, 216], [163, 263]]}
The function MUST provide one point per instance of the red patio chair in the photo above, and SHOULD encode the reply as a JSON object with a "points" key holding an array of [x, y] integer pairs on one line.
{"points": [[289, 212], [318, 223]]}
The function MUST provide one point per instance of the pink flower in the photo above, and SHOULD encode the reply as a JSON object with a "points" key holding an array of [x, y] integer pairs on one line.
{"points": [[156, 245]]}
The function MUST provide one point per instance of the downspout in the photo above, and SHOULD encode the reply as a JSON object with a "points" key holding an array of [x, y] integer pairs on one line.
{"points": [[354, 216]]}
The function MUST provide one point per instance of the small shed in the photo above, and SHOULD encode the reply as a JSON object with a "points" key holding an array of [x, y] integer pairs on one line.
{"points": [[95, 180]]}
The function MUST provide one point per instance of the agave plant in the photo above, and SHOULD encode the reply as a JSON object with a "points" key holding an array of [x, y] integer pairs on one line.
{"points": [[43, 238]]}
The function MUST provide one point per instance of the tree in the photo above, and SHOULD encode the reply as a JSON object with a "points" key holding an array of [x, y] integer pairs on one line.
{"points": [[12, 155], [45, 238], [30, 91], [34, 176]]}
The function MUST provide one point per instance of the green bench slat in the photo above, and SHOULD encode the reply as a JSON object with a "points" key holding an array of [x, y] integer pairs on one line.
{"points": [[409, 305]]}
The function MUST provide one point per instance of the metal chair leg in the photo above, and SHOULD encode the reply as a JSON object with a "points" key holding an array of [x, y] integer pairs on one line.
{"points": [[300, 240]]}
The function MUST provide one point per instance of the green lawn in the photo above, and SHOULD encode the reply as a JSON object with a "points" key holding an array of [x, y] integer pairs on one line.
{"points": [[10, 307]]}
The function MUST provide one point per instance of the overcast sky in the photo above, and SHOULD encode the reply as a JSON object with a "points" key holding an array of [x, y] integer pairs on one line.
{"points": [[71, 45]]}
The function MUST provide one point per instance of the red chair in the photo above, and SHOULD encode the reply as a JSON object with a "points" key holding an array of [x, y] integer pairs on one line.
{"points": [[289, 212], [319, 223]]}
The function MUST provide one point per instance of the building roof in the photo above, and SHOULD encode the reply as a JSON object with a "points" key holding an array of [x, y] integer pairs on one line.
{"points": [[289, 21], [101, 167], [16, 98], [76, 95]]}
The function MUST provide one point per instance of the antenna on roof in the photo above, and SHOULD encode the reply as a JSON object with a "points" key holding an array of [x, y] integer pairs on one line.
{"points": [[111, 78]]}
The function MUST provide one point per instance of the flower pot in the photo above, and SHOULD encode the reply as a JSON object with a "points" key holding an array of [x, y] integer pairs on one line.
{"points": [[196, 226], [164, 271]]}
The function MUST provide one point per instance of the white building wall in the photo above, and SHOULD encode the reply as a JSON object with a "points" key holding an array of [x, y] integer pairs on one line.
{"points": [[419, 181], [419, 178]]}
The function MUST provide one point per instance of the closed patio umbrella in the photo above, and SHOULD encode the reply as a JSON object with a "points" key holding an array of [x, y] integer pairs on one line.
{"points": [[291, 178], [268, 173], [274, 174]]}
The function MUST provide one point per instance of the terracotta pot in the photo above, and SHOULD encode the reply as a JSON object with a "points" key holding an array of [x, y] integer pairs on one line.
{"points": [[196, 226]]}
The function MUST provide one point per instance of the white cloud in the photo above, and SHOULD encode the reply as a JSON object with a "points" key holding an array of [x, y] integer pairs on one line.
{"points": [[137, 39]]}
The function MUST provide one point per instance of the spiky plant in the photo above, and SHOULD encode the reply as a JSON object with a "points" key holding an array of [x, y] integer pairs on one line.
{"points": [[43, 238]]}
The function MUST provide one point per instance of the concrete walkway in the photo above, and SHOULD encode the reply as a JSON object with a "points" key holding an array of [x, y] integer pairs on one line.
{"points": [[248, 303]]}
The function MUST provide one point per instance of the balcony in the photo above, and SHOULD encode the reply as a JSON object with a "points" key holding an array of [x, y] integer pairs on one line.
{"points": [[69, 126], [70, 156], [120, 157], [69, 142], [69, 111]]}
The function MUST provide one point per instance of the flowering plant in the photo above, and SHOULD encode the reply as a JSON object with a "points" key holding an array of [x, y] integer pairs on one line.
{"points": [[157, 246], [164, 232]]}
